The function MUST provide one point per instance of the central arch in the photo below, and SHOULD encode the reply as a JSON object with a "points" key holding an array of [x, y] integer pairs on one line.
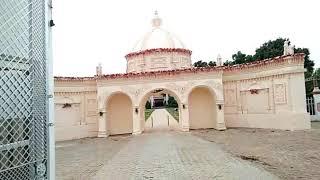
{"points": [[145, 98], [202, 108], [119, 114]]}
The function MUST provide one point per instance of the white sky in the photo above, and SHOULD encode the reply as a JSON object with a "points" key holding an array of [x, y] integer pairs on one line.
{"points": [[91, 31]]}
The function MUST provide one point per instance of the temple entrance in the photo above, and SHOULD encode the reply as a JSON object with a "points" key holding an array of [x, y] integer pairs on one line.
{"points": [[202, 108], [119, 114], [160, 111]]}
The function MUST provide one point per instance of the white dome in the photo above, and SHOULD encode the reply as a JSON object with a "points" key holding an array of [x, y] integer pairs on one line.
{"points": [[158, 38]]}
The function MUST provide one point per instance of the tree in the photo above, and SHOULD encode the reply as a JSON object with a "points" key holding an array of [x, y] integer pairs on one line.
{"points": [[239, 58], [212, 63], [200, 64], [172, 102], [316, 74], [272, 49], [204, 64], [228, 63], [269, 49], [148, 105], [310, 84]]}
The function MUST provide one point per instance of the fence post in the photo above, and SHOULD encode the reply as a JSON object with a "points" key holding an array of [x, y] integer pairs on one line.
{"points": [[151, 122], [316, 98]]}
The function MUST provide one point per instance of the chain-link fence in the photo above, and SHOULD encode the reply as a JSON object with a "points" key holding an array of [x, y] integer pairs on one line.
{"points": [[23, 112]]}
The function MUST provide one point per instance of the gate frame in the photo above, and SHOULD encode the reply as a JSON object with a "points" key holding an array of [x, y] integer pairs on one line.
{"points": [[50, 91]]}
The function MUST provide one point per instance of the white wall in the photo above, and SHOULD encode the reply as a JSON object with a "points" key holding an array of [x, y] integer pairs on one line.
{"points": [[79, 120]]}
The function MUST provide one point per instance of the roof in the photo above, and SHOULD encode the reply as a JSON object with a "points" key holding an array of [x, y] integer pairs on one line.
{"points": [[158, 38], [234, 68]]}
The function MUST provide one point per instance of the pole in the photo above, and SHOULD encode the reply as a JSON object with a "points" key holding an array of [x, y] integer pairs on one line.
{"points": [[50, 91]]}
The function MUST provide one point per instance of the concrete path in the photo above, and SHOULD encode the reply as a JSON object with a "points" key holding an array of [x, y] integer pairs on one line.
{"points": [[176, 155], [159, 120]]}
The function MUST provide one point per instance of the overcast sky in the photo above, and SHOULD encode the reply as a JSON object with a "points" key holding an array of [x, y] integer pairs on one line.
{"points": [[91, 31]]}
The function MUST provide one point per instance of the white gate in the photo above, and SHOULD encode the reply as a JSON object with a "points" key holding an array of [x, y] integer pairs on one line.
{"points": [[310, 105], [24, 89]]}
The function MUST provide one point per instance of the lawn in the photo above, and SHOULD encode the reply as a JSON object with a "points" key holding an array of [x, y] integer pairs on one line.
{"points": [[147, 113], [174, 112]]}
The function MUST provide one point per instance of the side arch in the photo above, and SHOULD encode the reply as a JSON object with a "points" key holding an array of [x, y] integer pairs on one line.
{"points": [[119, 116], [203, 110]]}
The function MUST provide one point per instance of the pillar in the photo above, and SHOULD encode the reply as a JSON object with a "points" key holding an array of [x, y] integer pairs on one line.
{"points": [[220, 117], [151, 101], [102, 124], [136, 121], [184, 117], [167, 99]]}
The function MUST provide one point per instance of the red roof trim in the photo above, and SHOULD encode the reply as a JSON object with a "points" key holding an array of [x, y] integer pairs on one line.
{"points": [[159, 50], [275, 61]]}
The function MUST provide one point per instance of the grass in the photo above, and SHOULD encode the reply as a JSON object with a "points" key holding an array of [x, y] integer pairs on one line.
{"points": [[174, 113], [147, 113]]}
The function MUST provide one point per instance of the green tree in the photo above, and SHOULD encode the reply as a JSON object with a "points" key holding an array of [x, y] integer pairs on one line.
{"points": [[228, 63], [172, 102], [274, 48], [200, 64], [316, 74], [269, 49], [212, 63], [204, 64], [310, 84], [148, 105], [239, 58]]}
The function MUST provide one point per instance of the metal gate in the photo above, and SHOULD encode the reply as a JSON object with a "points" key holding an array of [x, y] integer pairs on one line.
{"points": [[24, 142], [310, 105]]}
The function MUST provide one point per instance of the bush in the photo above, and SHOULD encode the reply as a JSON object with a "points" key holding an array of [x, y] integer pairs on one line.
{"points": [[148, 105], [172, 102]]}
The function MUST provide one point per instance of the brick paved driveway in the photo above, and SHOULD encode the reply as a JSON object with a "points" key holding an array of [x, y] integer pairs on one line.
{"points": [[161, 155]]}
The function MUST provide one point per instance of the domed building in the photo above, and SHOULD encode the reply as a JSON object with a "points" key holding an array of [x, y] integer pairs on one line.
{"points": [[158, 50], [264, 94]]}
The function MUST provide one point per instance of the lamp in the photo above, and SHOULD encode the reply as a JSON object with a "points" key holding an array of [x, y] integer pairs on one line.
{"points": [[51, 23]]}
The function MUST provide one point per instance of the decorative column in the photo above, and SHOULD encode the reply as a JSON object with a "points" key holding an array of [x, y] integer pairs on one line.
{"points": [[167, 99], [220, 115], [185, 126], [102, 124], [151, 101], [136, 121]]}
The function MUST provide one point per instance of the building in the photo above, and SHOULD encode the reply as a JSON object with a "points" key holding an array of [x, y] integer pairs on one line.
{"points": [[265, 94]]}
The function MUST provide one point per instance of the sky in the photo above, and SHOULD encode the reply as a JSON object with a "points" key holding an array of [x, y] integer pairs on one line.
{"points": [[89, 32]]}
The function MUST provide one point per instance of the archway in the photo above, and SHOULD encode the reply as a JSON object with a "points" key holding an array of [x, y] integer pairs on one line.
{"points": [[119, 114], [202, 108], [160, 109]]}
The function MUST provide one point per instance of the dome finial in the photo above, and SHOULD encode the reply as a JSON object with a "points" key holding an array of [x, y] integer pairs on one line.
{"points": [[156, 21]]}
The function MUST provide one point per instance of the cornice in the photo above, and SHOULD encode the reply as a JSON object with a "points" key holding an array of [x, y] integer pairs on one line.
{"points": [[257, 66], [158, 51], [74, 92], [73, 79]]}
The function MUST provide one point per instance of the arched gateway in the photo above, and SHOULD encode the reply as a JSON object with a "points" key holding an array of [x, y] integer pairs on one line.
{"points": [[263, 94]]}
